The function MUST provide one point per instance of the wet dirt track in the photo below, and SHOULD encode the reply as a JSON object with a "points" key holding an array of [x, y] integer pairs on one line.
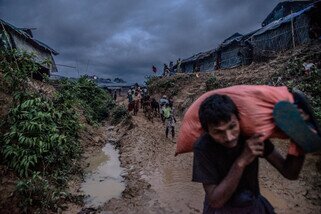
{"points": [[158, 182]]}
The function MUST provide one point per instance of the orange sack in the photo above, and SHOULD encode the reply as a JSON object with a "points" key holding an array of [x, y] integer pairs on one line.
{"points": [[255, 105]]}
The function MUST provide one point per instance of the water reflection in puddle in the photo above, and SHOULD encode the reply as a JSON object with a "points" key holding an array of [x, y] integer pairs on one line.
{"points": [[103, 181]]}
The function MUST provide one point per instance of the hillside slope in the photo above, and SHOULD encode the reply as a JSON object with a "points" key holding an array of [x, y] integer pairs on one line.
{"points": [[285, 69]]}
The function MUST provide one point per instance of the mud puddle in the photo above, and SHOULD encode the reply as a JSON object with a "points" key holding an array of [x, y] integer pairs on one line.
{"points": [[103, 180], [175, 190]]}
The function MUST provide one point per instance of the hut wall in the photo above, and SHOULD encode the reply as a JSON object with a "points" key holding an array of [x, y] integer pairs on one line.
{"points": [[230, 57], [40, 55], [269, 42], [207, 64]]}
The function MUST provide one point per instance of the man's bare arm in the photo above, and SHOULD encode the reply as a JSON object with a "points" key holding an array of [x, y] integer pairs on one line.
{"points": [[290, 167]]}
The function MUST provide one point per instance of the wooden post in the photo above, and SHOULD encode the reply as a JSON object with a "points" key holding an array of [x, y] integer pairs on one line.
{"points": [[292, 29]]}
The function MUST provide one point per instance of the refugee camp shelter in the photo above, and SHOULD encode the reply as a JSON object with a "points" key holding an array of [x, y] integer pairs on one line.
{"points": [[22, 39], [187, 65], [201, 62], [291, 23], [207, 61], [234, 51], [283, 9], [287, 32]]}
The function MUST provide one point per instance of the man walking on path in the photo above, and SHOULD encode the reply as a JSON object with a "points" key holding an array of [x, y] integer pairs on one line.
{"points": [[169, 120], [162, 102], [226, 163], [130, 100]]}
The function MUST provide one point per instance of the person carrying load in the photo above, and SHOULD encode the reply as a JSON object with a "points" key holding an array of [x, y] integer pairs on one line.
{"points": [[170, 120], [229, 130]]}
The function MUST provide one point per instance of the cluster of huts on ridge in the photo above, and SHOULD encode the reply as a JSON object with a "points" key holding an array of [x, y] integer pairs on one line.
{"points": [[291, 23]]}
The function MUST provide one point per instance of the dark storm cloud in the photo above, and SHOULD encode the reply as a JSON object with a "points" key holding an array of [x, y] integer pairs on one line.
{"points": [[123, 38]]}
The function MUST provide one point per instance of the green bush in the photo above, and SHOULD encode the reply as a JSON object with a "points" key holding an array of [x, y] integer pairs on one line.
{"points": [[96, 102], [294, 76], [40, 137], [212, 83], [166, 86], [150, 79], [119, 114], [17, 67], [37, 193]]}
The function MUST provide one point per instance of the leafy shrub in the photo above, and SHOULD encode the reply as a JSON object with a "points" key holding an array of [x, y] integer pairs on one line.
{"points": [[295, 76], [211, 84], [18, 66], [166, 86], [96, 102], [119, 114], [36, 191], [40, 137], [150, 79]]}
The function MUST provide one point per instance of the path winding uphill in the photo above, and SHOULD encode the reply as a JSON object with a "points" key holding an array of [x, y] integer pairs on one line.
{"points": [[158, 182]]}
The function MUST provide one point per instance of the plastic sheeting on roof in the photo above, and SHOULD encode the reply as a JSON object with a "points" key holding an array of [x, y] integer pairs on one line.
{"points": [[276, 24], [235, 36], [198, 56]]}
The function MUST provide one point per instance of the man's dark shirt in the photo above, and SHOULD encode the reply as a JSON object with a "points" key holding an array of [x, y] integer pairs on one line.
{"points": [[212, 162]]}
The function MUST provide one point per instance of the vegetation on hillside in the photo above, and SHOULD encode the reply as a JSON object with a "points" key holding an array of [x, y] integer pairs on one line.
{"points": [[40, 134], [168, 86], [294, 75]]}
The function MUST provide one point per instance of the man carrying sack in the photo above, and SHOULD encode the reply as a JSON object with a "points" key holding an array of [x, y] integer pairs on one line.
{"points": [[235, 126]]}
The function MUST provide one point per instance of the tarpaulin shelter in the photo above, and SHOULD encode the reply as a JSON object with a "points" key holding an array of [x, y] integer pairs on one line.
{"points": [[201, 62], [289, 31], [234, 51], [300, 20], [283, 9]]}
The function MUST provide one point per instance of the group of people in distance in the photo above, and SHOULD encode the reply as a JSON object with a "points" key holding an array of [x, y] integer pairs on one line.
{"points": [[140, 99], [170, 68], [135, 96]]}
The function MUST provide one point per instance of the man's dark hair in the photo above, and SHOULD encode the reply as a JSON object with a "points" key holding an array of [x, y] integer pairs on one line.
{"points": [[216, 109]]}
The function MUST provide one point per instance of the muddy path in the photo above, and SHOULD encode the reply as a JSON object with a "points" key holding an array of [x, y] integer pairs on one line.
{"points": [[158, 182]]}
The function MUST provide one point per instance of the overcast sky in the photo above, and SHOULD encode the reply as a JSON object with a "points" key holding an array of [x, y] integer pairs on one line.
{"points": [[124, 38]]}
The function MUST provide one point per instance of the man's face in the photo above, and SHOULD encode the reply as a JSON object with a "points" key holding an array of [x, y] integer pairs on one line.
{"points": [[226, 133]]}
